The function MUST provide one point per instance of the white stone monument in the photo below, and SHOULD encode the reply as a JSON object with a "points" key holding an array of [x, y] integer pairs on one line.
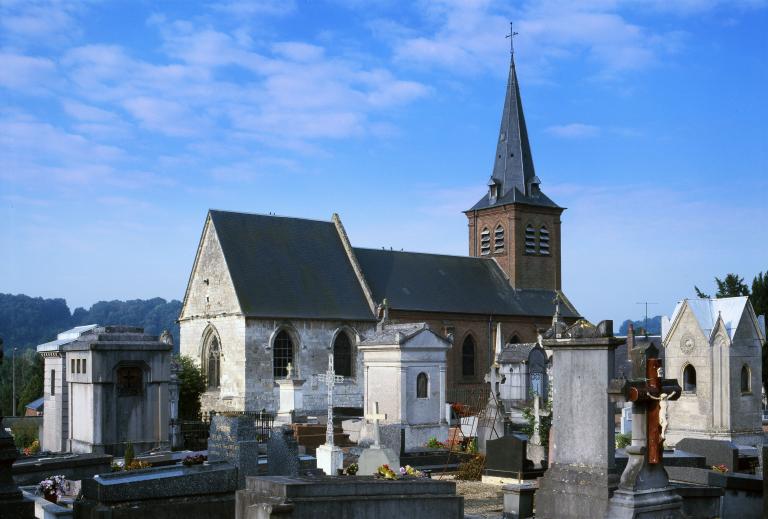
{"points": [[330, 458], [376, 455], [405, 372], [291, 396]]}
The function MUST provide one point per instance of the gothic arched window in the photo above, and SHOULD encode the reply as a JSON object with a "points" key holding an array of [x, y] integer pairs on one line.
{"points": [[468, 357], [544, 241], [282, 354], [689, 379], [530, 240], [485, 242], [213, 363], [746, 383], [422, 381], [342, 355], [498, 239]]}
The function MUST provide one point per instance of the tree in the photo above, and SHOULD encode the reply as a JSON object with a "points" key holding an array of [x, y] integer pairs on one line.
{"points": [[191, 387], [731, 286], [31, 380], [700, 294], [759, 296]]}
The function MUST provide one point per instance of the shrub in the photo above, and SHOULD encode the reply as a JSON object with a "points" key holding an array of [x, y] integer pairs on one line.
{"points": [[623, 440], [24, 433], [129, 454], [471, 470]]}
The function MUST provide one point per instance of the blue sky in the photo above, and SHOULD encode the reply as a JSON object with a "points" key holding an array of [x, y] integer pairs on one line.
{"points": [[122, 122]]}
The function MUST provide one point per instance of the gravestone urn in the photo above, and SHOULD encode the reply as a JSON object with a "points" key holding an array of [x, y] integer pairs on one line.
{"points": [[582, 474]]}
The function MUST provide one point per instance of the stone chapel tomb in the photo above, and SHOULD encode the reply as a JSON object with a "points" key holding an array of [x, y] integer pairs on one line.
{"points": [[105, 386], [404, 367]]}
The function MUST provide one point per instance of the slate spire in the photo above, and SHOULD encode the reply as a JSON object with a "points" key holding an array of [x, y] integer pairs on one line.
{"points": [[513, 165]]}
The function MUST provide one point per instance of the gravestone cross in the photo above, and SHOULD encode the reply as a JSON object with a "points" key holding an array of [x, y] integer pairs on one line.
{"points": [[654, 392], [330, 378], [376, 417]]}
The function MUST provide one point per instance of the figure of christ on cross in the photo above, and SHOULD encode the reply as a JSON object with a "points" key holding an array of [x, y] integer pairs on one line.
{"points": [[376, 417], [330, 378], [655, 393]]}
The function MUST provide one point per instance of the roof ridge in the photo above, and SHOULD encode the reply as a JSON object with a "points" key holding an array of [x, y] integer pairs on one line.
{"points": [[250, 213], [424, 253]]}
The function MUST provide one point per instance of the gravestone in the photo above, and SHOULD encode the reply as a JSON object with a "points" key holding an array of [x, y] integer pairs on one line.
{"points": [[233, 439], [291, 396], [507, 458], [644, 490], [12, 503], [537, 452], [377, 454], [282, 453], [330, 458], [716, 452], [581, 475]]}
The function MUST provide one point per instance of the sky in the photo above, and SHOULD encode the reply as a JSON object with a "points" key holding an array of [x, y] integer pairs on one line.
{"points": [[123, 122]]}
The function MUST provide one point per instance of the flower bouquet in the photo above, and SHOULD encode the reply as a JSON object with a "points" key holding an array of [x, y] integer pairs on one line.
{"points": [[197, 459], [722, 469], [384, 472], [51, 487]]}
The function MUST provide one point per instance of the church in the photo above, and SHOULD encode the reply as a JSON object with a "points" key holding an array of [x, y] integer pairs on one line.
{"points": [[269, 295]]}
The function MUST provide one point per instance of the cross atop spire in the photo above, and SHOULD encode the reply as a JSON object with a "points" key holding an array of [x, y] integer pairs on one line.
{"points": [[511, 37]]}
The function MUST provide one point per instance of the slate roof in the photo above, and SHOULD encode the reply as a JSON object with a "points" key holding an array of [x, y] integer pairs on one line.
{"points": [[36, 405], [516, 353], [706, 312], [450, 284], [66, 337], [513, 169], [289, 267]]}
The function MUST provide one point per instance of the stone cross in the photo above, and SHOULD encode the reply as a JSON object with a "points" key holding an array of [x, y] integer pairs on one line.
{"points": [[330, 378], [536, 437], [654, 392], [376, 417]]}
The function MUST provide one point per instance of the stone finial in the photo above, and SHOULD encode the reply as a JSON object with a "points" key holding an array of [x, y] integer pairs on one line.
{"points": [[166, 338], [289, 371]]}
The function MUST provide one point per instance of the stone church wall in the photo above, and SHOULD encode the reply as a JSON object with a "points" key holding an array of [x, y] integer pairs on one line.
{"points": [[231, 332], [312, 340]]}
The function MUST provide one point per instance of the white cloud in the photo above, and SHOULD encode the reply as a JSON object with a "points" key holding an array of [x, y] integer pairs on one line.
{"points": [[246, 8], [574, 131], [25, 73]]}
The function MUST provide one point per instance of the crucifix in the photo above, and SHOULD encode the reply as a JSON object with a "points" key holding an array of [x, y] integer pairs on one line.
{"points": [[654, 392], [376, 416], [511, 37], [330, 378]]}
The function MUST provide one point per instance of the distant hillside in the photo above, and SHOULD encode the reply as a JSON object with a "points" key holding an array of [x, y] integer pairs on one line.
{"points": [[654, 325], [28, 321]]}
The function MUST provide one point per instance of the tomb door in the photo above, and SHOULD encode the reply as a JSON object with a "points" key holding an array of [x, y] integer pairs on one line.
{"points": [[130, 394]]}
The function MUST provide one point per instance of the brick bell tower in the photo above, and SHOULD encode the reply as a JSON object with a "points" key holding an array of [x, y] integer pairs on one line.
{"points": [[515, 223]]}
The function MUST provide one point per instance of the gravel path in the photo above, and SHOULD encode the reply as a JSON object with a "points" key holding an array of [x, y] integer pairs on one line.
{"points": [[480, 499]]}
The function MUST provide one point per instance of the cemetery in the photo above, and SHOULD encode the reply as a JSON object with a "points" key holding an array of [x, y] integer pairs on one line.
{"points": [[549, 455]]}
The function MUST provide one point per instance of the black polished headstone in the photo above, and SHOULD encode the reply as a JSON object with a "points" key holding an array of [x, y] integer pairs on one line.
{"points": [[506, 457]]}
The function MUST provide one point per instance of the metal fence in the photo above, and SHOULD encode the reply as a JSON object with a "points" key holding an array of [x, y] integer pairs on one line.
{"points": [[195, 433]]}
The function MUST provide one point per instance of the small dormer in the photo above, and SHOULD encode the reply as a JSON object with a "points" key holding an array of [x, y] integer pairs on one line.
{"points": [[534, 188], [494, 190]]}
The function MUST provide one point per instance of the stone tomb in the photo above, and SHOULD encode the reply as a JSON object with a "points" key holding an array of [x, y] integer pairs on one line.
{"points": [[176, 492], [377, 454], [348, 497], [405, 372], [233, 439]]}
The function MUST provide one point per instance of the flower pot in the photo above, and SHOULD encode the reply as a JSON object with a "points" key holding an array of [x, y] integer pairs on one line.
{"points": [[53, 497]]}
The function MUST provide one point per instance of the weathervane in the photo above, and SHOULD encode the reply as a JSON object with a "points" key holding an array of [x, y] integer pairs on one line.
{"points": [[511, 37]]}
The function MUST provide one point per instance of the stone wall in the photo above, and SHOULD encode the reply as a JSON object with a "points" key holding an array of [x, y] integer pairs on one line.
{"points": [[56, 405]]}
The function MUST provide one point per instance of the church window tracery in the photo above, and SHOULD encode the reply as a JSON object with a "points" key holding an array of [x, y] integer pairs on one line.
{"points": [[422, 381], [689, 379], [468, 357], [211, 358], [283, 354], [544, 241], [485, 242], [342, 355], [498, 239], [530, 240], [746, 382]]}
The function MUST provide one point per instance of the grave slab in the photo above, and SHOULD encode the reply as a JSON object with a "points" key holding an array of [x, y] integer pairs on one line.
{"points": [[348, 496]]}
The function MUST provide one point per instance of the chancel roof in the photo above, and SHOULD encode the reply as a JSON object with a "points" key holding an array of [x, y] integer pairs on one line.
{"points": [[289, 267], [452, 284]]}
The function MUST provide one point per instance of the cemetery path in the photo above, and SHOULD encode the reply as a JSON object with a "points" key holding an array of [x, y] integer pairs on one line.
{"points": [[481, 500]]}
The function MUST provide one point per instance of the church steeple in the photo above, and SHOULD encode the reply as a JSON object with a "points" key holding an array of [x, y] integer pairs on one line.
{"points": [[513, 179], [513, 165]]}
